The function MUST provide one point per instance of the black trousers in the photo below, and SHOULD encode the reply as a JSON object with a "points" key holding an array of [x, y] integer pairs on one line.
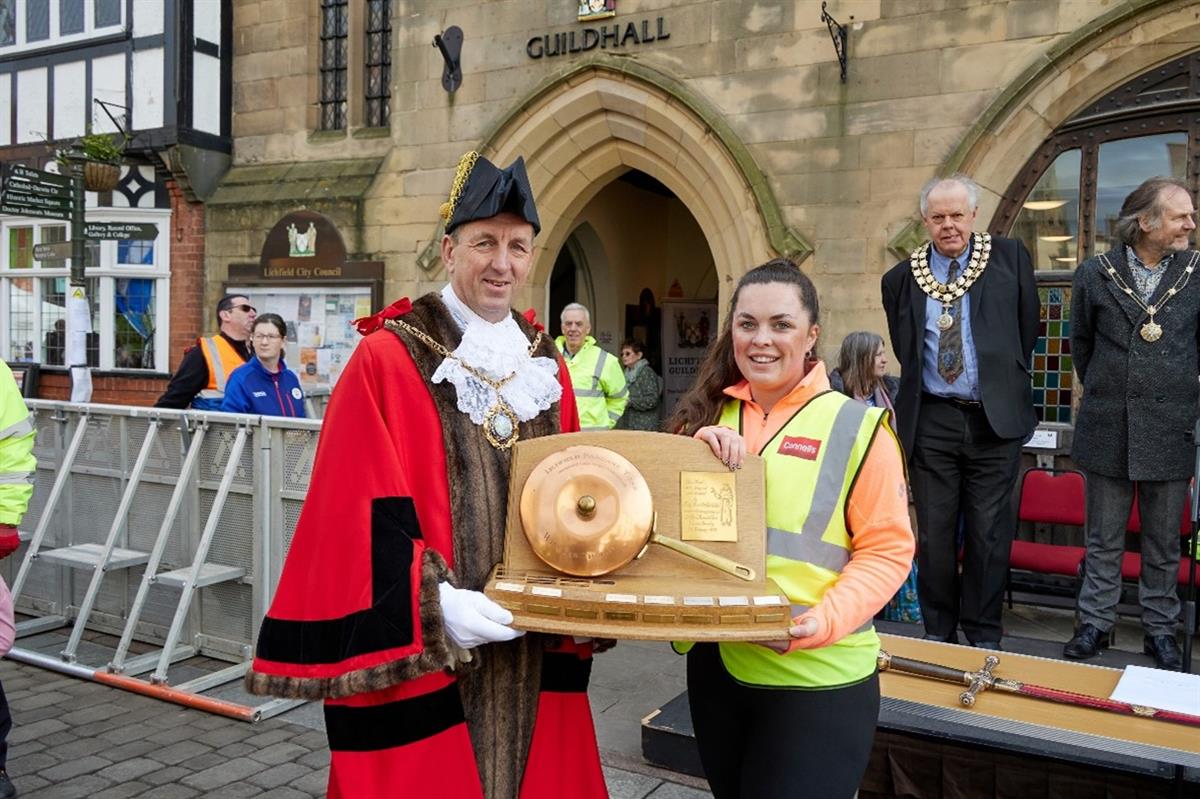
{"points": [[959, 466], [761, 743]]}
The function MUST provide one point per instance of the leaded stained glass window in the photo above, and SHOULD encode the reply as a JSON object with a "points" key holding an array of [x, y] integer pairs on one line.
{"points": [[378, 61], [334, 28], [1053, 379], [1064, 201]]}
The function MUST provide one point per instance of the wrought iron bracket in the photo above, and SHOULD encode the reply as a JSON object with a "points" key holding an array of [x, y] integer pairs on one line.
{"points": [[449, 44], [121, 120], [839, 34]]}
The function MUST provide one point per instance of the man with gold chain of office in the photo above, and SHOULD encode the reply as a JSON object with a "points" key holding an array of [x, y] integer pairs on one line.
{"points": [[380, 612], [1134, 341], [963, 315]]}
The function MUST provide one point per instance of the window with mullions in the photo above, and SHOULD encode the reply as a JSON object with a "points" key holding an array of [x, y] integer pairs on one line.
{"points": [[1063, 203], [8, 22], [378, 63], [54, 321], [37, 20], [334, 29], [127, 286], [108, 12], [70, 17], [38, 24], [133, 323]]}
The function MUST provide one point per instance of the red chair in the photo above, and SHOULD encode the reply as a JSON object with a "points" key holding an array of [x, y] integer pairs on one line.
{"points": [[1049, 496], [1131, 562]]}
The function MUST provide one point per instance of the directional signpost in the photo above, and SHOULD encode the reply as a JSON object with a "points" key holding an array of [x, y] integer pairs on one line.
{"points": [[37, 193], [55, 251], [34, 192], [144, 231]]}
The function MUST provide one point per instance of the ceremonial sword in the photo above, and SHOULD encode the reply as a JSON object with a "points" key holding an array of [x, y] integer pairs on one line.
{"points": [[979, 681]]}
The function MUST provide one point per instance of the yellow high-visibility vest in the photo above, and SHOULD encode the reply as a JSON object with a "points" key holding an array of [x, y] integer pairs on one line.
{"points": [[17, 464], [599, 382], [811, 466]]}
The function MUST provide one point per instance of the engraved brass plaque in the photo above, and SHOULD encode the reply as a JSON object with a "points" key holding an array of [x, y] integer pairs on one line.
{"points": [[708, 506]]}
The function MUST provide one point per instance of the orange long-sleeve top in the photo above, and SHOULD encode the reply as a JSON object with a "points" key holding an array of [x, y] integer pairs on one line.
{"points": [[881, 535]]}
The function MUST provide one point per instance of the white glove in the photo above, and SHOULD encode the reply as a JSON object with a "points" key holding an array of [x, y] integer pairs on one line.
{"points": [[473, 619]]}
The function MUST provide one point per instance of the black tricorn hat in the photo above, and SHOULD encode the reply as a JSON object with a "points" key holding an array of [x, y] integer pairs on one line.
{"points": [[481, 190]]}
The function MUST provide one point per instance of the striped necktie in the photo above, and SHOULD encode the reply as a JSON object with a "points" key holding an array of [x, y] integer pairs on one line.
{"points": [[950, 351]]}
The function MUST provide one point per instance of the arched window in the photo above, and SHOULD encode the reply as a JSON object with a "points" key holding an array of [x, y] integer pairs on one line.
{"points": [[1063, 202]]}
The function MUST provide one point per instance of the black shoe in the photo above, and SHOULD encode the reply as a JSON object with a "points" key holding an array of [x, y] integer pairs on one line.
{"points": [[1089, 639], [1165, 651], [941, 639], [992, 645], [7, 789]]}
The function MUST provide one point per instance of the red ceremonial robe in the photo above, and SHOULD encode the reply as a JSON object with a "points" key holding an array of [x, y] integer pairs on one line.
{"points": [[404, 495]]}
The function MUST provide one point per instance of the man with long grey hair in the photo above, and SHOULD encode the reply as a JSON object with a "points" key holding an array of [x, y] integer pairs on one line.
{"points": [[1134, 343]]}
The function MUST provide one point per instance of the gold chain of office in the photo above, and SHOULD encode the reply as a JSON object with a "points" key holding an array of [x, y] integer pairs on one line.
{"points": [[1151, 331], [500, 421], [947, 293]]}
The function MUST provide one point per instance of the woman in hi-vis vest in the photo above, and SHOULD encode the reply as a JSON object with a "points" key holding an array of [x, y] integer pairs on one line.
{"points": [[796, 717]]}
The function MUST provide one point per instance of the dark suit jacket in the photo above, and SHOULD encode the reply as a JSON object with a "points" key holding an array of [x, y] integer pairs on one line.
{"points": [[1139, 398], [1004, 326]]}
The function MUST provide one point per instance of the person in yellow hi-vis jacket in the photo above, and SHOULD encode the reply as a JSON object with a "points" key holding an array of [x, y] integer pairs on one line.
{"points": [[17, 466], [599, 380], [797, 717]]}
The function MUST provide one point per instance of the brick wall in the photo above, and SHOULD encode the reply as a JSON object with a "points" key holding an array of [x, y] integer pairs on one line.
{"points": [[106, 389], [187, 274], [187, 314]]}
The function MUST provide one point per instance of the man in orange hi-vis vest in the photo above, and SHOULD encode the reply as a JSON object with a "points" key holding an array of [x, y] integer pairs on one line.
{"points": [[200, 379]]}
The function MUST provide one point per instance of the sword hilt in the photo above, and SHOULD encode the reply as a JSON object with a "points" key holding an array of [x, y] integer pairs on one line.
{"points": [[979, 681]]}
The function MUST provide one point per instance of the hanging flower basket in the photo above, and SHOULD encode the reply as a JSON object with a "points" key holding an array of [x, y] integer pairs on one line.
{"points": [[99, 176]]}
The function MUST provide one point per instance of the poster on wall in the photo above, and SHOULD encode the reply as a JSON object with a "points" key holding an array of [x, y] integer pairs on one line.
{"points": [[320, 337], [687, 329]]}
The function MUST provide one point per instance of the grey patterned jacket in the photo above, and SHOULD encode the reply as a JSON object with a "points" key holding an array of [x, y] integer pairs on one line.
{"points": [[1140, 398]]}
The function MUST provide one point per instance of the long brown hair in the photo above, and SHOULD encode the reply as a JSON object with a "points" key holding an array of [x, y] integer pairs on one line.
{"points": [[702, 403], [856, 362]]}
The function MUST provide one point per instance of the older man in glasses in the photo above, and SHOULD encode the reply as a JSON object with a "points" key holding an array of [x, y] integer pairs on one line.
{"points": [[200, 379]]}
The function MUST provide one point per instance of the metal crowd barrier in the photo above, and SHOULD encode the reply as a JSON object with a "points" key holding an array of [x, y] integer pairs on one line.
{"points": [[164, 530]]}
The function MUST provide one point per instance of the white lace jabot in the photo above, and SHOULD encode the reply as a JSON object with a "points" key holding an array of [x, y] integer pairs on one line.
{"points": [[498, 350]]}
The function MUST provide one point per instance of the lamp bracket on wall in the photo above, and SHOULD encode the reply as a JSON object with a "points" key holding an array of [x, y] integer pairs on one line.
{"points": [[838, 33], [449, 43]]}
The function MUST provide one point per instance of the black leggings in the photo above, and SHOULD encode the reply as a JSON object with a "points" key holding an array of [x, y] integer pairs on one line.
{"points": [[758, 743]]}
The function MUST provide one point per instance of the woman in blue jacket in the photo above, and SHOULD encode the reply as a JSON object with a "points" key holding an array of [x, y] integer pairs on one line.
{"points": [[263, 384]]}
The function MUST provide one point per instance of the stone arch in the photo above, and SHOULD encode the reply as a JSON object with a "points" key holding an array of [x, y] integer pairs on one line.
{"points": [[591, 123], [1134, 37], [590, 257]]}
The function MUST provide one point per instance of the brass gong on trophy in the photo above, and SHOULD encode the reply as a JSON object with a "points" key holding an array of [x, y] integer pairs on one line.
{"points": [[626, 534], [587, 511]]}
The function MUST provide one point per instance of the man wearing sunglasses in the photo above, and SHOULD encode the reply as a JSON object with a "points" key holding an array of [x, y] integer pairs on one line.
{"points": [[200, 379]]}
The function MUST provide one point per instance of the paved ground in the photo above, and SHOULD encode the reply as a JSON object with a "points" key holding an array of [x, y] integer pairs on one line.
{"points": [[74, 738]]}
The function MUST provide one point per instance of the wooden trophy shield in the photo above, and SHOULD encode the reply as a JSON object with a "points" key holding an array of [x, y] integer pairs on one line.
{"points": [[627, 534]]}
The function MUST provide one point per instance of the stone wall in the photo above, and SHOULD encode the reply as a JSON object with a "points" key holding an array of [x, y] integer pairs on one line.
{"points": [[842, 162]]}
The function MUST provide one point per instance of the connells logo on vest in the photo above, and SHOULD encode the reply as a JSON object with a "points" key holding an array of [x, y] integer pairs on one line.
{"points": [[806, 448]]}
